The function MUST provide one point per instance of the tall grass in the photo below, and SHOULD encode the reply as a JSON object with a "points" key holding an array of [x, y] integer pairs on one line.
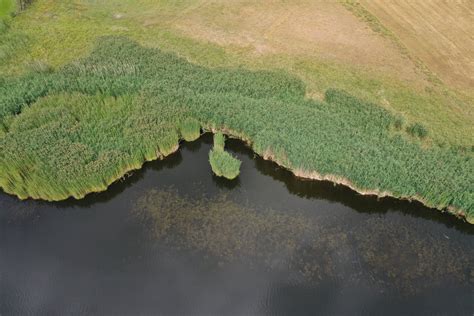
{"points": [[190, 129], [219, 141], [75, 130], [222, 163]]}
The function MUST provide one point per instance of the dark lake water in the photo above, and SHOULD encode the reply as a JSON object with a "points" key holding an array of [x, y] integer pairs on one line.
{"points": [[173, 239]]}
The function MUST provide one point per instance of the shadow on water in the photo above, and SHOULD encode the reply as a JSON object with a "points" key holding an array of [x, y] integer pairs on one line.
{"points": [[127, 181], [326, 190], [223, 183], [304, 188]]}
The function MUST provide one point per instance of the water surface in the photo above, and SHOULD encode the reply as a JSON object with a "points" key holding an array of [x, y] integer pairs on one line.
{"points": [[174, 239]]}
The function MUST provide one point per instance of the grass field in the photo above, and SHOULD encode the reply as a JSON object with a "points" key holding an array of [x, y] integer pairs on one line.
{"points": [[395, 130]]}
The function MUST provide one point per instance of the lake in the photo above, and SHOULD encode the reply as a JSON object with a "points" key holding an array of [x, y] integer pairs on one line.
{"points": [[172, 238]]}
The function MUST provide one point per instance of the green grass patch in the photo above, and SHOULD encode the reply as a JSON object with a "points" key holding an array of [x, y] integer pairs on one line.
{"points": [[7, 7], [76, 129], [190, 129]]}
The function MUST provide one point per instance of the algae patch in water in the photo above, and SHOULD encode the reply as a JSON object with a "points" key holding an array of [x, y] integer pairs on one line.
{"points": [[230, 232]]}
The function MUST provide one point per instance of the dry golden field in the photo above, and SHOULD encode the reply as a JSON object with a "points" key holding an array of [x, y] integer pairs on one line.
{"points": [[324, 30], [439, 32]]}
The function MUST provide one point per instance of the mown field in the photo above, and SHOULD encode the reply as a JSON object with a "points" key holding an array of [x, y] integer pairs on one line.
{"points": [[78, 110], [439, 32]]}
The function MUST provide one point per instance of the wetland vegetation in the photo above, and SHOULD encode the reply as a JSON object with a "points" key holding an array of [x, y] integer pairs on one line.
{"points": [[77, 113], [77, 129], [222, 163]]}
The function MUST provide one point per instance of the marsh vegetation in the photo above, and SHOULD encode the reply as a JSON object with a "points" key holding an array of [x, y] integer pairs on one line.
{"points": [[264, 93], [222, 163], [77, 129]]}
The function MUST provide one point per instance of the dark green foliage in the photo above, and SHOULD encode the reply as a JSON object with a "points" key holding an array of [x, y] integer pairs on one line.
{"points": [[76, 130], [417, 130]]}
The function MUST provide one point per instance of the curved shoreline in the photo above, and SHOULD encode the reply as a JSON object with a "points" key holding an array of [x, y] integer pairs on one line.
{"points": [[314, 175], [267, 155]]}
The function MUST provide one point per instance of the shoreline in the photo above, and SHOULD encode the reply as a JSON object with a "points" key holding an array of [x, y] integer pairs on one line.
{"points": [[314, 175], [267, 155]]}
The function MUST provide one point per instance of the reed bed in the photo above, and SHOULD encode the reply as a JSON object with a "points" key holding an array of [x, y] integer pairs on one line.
{"points": [[77, 129], [222, 163], [190, 129]]}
